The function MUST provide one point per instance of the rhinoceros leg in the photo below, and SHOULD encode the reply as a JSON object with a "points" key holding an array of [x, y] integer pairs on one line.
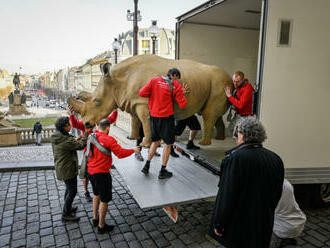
{"points": [[220, 126], [142, 112], [135, 125], [214, 109], [207, 130]]}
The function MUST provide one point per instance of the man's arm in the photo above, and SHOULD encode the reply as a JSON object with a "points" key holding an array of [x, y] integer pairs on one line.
{"points": [[77, 124], [113, 117], [245, 98], [146, 90], [120, 152], [179, 96], [73, 144]]}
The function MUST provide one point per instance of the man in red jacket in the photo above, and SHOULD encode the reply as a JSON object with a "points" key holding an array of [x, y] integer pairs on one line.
{"points": [[87, 127], [242, 96], [241, 99], [99, 166], [162, 91]]}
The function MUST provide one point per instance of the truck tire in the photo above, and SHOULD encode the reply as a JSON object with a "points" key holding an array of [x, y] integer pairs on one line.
{"points": [[313, 195], [320, 195]]}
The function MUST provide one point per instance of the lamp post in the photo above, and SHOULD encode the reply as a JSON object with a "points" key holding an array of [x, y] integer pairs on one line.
{"points": [[154, 32], [135, 17], [116, 46]]}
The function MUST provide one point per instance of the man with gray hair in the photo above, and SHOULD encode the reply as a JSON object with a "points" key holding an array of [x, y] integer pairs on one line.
{"points": [[251, 179]]}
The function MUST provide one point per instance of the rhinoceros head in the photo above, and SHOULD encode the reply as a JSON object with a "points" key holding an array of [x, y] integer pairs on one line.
{"points": [[97, 105]]}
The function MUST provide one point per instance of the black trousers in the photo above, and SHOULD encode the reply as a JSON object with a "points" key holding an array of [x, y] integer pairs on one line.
{"points": [[141, 134], [70, 193]]}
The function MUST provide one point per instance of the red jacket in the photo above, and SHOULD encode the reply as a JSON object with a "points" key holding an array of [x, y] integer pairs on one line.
{"points": [[160, 98], [100, 163], [243, 100], [80, 124]]}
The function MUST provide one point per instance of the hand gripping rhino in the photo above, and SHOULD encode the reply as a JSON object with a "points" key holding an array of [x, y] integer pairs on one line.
{"points": [[120, 84]]}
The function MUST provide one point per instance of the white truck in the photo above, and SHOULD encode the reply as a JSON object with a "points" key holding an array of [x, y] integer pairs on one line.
{"points": [[283, 47]]}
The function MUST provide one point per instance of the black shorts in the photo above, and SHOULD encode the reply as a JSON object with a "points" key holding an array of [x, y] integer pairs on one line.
{"points": [[162, 128], [102, 186], [192, 122]]}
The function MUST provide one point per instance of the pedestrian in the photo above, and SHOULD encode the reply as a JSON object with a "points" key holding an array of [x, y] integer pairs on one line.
{"points": [[251, 180], [37, 128], [240, 100], [65, 149], [162, 92], [99, 166], [87, 127], [194, 126], [289, 220]]}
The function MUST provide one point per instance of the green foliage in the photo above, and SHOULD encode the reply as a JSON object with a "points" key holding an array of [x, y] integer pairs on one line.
{"points": [[25, 123]]}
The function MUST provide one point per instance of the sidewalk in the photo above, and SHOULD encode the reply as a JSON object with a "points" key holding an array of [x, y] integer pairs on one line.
{"points": [[31, 203]]}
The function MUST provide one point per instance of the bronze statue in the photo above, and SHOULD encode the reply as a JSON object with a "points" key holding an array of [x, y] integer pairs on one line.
{"points": [[23, 99], [11, 98], [16, 81]]}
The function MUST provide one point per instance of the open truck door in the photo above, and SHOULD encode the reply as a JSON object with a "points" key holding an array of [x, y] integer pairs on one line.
{"points": [[274, 43]]}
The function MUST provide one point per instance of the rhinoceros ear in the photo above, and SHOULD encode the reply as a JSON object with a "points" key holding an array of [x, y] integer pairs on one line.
{"points": [[105, 69]]}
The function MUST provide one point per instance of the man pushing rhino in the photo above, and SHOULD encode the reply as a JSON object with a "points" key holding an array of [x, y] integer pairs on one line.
{"points": [[162, 91]]}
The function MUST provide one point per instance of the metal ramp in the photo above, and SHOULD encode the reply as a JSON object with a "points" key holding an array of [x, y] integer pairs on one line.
{"points": [[190, 181]]}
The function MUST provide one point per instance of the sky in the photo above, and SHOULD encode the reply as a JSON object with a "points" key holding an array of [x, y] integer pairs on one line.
{"points": [[47, 35]]}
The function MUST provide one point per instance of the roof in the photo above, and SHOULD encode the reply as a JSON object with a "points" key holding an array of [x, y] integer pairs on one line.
{"points": [[227, 13]]}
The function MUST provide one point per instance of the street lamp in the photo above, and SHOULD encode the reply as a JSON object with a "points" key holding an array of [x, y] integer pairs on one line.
{"points": [[116, 46], [135, 17], [154, 32]]}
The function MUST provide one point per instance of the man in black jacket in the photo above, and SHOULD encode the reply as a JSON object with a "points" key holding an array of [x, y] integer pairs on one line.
{"points": [[250, 187], [37, 128]]}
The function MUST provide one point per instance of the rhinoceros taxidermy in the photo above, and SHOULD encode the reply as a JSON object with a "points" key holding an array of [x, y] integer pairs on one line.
{"points": [[119, 88]]}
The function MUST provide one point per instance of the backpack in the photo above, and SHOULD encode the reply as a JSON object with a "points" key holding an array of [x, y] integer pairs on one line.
{"points": [[89, 150], [169, 81]]}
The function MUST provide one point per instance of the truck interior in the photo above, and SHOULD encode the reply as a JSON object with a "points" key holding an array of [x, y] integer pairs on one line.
{"points": [[224, 33]]}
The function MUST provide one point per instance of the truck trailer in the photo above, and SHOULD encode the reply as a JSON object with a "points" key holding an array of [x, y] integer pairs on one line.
{"points": [[283, 48]]}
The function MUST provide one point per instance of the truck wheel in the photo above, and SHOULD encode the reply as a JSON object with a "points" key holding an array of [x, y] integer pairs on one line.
{"points": [[312, 195], [325, 192], [321, 195]]}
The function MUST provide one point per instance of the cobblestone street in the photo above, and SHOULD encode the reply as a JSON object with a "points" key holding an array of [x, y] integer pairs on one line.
{"points": [[30, 211]]}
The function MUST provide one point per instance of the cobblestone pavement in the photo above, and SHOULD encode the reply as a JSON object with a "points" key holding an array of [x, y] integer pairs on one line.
{"points": [[30, 211], [26, 153]]}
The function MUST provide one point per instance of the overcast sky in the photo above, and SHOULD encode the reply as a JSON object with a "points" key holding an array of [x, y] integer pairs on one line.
{"points": [[41, 35]]}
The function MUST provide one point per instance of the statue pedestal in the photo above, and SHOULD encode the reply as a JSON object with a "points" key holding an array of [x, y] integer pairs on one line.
{"points": [[8, 136], [17, 107]]}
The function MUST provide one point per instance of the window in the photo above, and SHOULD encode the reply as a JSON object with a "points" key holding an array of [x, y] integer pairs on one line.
{"points": [[145, 45], [157, 47], [284, 33]]}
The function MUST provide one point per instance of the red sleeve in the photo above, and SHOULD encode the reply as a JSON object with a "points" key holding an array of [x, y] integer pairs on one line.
{"points": [[77, 124], [117, 149], [146, 90], [246, 97], [179, 96], [113, 117]]}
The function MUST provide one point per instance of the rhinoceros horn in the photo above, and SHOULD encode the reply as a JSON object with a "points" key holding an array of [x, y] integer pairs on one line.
{"points": [[85, 96], [77, 105]]}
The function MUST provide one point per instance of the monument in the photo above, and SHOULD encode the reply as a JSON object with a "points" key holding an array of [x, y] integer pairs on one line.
{"points": [[8, 135], [17, 101]]}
